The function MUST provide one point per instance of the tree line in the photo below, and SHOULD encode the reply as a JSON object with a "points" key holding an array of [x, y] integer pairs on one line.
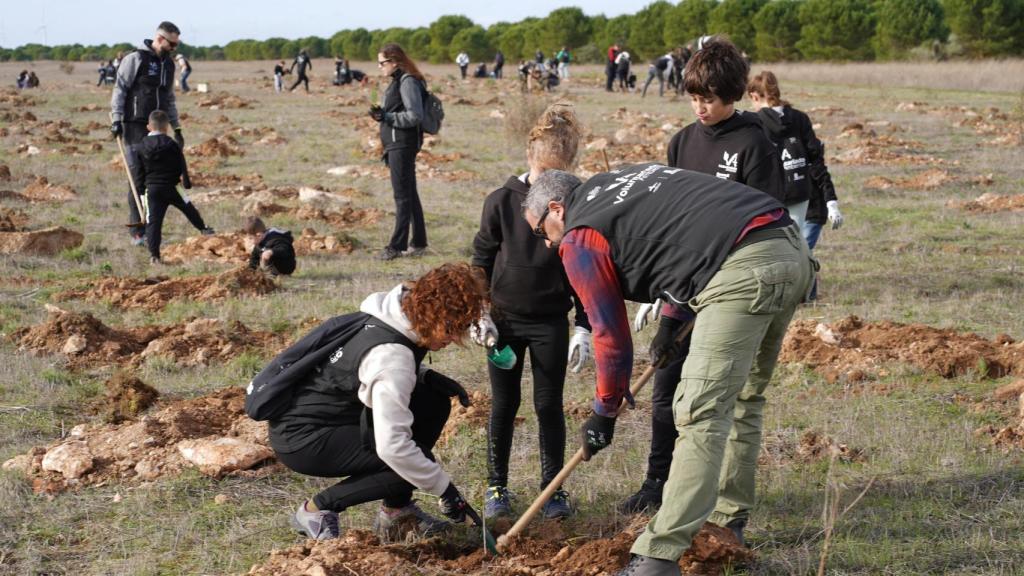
{"points": [[768, 30]]}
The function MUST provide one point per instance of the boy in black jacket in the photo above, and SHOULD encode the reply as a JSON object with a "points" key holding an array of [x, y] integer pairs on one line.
{"points": [[157, 170], [731, 145], [274, 250]]}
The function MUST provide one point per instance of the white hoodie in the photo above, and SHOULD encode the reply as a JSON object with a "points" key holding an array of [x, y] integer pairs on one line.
{"points": [[387, 377]]}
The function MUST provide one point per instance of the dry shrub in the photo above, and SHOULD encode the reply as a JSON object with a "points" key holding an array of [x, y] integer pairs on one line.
{"points": [[521, 115], [67, 68]]}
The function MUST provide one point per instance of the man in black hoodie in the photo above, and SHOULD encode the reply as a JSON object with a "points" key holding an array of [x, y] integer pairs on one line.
{"points": [[274, 250], [158, 166], [303, 62]]}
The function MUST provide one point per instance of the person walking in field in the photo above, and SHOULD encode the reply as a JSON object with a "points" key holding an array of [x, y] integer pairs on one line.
{"points": [[530, 297], [564, 58], [301, 62], [462, 60], [186, 71], [400, 116], [145, 82], [727, 251], [499, 64]]}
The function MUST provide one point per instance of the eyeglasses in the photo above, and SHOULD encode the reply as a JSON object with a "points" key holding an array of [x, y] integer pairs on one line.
{"points": [[539, 230], [170, 43], [381, 63]]}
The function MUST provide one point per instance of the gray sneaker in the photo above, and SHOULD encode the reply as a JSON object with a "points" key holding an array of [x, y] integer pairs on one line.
{"points": [[319, 525], [394, 526], [648, 566], [207, 231]]}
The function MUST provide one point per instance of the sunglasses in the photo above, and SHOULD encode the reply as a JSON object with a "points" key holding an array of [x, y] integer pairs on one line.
{"points": [[539, 230], [170, 43], [381, 63]]}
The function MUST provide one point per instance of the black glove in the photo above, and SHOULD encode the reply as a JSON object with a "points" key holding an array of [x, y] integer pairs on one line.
{"points": [[665, 348], [179, 138], [446, 386], [455, 507], [377, 113], [597, 434], [117, 128]]}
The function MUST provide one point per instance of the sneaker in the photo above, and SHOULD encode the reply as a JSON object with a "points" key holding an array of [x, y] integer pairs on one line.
{"points": [[395, 525], [138, 240], [497, 502], [207, 231], [415, 251], [648, 497], [155, 261], [388, 253], [648, 566], [737, 525], [558, 506], [319, 525]]}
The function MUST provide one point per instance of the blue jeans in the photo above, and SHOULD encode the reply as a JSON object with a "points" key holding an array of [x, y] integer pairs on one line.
{"points": [[811, 232], [184, 80]]}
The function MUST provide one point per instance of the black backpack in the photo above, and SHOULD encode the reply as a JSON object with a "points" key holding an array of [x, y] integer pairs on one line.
{"points": [[269, 394], [433, 110]]}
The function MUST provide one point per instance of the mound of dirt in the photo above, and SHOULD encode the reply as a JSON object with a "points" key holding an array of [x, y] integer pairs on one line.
{"points": [[45, 242], [360, 552], [5, 173], [177, 436], [223, 101], [1008, 400], [155, 293], [927, 180], [12, 220], [17, 99], [209, 180], [41, 190], [235, 247], [813, 445], [344, 218], [221, 147], [87, 342], [989, 202], [126, 398], [854, 350], [247, 193]]}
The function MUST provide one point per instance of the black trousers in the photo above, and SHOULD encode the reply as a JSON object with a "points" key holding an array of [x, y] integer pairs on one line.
{"points": [[340, 452], [408, 209], [610, 73], [548, 343], [663, 425], [134, 132], [301, 79], [463, 70], [159, 201], [497, 70]]}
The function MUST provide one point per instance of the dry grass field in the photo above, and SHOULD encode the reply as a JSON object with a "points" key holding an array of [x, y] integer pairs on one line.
{"points": [[912, 404]]}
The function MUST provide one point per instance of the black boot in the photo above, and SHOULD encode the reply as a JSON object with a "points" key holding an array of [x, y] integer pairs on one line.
{"points": [[648, 566], [648, 497], [737, 525]]}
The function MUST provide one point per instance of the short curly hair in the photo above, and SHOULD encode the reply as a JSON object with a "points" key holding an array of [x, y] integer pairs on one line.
{"points": [[718, 69], [442, 304]]}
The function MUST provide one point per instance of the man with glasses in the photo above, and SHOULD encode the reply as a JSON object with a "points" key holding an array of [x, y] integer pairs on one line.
{"points": [[145, 82]]}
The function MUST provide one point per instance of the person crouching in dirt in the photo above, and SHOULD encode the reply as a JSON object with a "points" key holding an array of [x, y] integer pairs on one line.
{"points": [[529, 300], [371, 412], [274, 250], [647, 231], [157, 169]]}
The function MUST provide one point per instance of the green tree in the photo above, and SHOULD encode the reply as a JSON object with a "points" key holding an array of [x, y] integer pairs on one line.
{"points": [[735, 19], [904, 24], [359, 45], [987, 28], [442, 31], [512, 42], [472, 41], [687, 21], [419, 44], [647, 31], [836, 29], [777, 30], [568, 27]]}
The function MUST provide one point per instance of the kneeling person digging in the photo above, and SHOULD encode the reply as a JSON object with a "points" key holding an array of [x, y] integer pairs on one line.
{"points": [[274, 250]]}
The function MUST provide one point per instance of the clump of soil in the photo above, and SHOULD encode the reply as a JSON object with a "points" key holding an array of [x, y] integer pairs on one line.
{"points": [[151, 447], [12, 220], [126, 398], [345, 217], [360, 552], [989, 203], [155, 293], [87, 342], [473, 418], [927, 180], [221, 147], [45, 242], [1008, 400], [434, 166], [41, 190], [5, 173], [224, 101], [235, 247], [853, 350], [210, 180]]}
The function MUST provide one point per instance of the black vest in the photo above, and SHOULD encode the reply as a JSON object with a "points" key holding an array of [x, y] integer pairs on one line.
{"points": [[669, 229], [151, 89], [329, 397], [390, 136]]}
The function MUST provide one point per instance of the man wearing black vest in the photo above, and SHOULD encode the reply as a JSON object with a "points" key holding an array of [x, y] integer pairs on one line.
{"points": [[732, 255], [145, 82]]}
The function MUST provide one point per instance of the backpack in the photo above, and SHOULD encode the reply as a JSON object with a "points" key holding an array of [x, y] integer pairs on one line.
{"points": [[433, 110], [269, 394]]}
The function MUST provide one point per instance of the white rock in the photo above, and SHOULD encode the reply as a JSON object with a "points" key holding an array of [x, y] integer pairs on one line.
{"points": [[498, 114], [78, 431], [322, 199], [32, 151], [344, 171], [597, 144], [216, 456], [826, 335], [147, 469], [22, 462], [74, 344], [623, 134], [71, 459]]}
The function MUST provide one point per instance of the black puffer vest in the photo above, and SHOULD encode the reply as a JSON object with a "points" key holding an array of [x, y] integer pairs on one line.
{"points": [[154, 81]]}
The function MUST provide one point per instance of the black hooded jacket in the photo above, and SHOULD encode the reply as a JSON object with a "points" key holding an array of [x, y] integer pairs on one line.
{"points": [[802, 154], [159, 163]]}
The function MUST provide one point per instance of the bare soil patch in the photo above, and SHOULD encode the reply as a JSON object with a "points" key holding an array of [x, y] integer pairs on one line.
{"points": [[219, 147], [235, 247], [155, 293], [224, 101], [473, 417], [812, 446], [12, 220], [126, 397], [927, 180], [45, 242], [41, 190], [1008, 401], [853, 350], [990, 203]]}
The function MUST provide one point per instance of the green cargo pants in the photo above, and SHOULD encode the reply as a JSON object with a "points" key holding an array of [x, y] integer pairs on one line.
{"points": [[742, 315]]}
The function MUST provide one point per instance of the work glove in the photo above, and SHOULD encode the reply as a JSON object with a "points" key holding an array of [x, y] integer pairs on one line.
{"points": [[117, 128], [179, 138], [666, 348], [582, 345], [640, 320], [597, 434], [484, 332], [834, 215], [446, 386], [377, 113], [455, 507]]}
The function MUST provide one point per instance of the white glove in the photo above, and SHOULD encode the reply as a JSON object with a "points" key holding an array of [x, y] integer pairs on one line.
{"points": [[484, 332], [834, 215], [640, 320], [582, 343]]}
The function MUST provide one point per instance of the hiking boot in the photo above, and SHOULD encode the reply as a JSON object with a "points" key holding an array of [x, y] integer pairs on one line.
{"points": [[558, 506], [388, 253], [207, 231], [737, 525], [497, 502], [648, 497], [319, 525], [415, 251], [648, 566], [394, 525]]}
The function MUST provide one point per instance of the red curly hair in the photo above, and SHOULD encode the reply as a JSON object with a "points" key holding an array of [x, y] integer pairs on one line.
{"points": [[442, 304]]}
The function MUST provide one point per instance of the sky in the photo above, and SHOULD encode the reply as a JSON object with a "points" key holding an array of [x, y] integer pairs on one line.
{"points": [[204, 23]]}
